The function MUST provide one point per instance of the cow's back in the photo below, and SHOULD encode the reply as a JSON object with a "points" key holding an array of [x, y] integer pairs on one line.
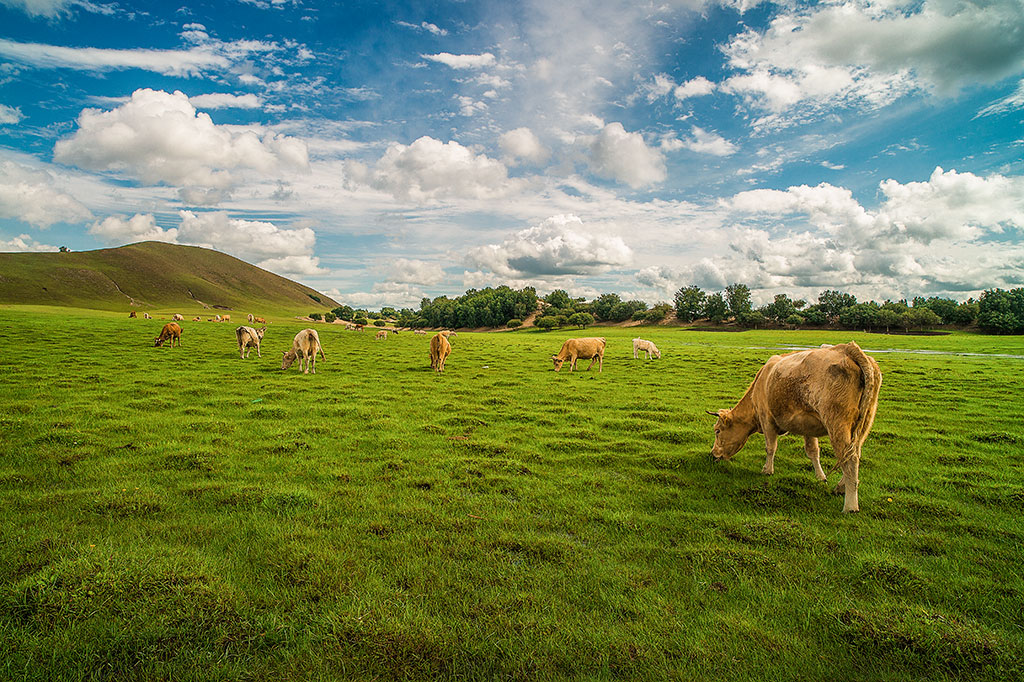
{"points": [[803, 390]]}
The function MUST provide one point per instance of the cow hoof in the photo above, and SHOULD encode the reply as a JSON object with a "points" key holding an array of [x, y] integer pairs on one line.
{"points": [[766, 471], [855, 510]]}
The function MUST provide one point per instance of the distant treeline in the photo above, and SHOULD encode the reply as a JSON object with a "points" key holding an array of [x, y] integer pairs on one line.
{"points": [[996, 311]]}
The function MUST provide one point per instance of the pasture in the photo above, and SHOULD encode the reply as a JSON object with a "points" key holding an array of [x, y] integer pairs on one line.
{"points": [[184, 514]]}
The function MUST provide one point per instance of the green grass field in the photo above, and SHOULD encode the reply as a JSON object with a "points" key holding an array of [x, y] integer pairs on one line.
{"points": [[182, 514]]}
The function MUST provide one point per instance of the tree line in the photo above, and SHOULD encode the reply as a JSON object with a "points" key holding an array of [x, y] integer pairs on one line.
{"points": [[995, 311]]}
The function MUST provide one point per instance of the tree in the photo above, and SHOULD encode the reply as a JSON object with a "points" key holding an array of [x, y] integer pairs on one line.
{"points": [[602, 306], [814, 317], [1001, 311], [738, 298], [581, 320], [780, 309], [514, 323], [344, 312], [752, 320], [689, 303], [546, 323], [860, 316], [794, 320], [965, 314], [361, 321], [658, 312], [330, 317], [833, 303], [558, 298], [388, 312], [715, 308]]}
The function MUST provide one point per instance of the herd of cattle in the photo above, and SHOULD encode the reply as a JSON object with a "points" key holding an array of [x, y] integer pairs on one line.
{"points": [[828, 391]]}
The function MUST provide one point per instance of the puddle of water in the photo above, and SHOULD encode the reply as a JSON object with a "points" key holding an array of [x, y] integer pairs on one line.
{"points": [[909, 351]]}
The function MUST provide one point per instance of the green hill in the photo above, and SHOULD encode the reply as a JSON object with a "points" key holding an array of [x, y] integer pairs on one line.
{"points": [[151, 275]]}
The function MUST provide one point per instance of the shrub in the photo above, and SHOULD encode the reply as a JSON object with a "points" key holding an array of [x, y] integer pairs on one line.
{"points": [[794, 320], [316, 316], [546, 323], [581, 320], [514, 323], [330, 317], [379, 323], [361, 320]]}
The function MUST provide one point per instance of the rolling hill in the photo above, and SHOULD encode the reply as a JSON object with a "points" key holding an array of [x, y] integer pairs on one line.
{"points": [[150, 275]]}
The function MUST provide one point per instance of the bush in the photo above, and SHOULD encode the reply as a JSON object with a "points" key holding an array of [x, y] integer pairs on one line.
{"points": [[316, 316], [514, 323], [658, 312], [794, 320], [379, 323], [330, 317], [546, 323], [361, 320], [581, 320]]}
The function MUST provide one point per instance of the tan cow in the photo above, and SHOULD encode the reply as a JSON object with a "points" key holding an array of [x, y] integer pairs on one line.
{"points": [[382, 335], [197, 319], [440, 349], [178, 317], [812, 393], [645, 346], [249, 338], [225, 318], [172, 332], [251, 318], [420, 332], [259, 320], [304, 347], [590, 347]]}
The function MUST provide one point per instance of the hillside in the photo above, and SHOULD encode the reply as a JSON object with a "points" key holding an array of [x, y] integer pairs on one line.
{"points": [[150, 275]]}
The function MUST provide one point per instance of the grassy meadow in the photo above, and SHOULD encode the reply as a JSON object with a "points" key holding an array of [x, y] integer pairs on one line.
{"points": [[182, 514]]}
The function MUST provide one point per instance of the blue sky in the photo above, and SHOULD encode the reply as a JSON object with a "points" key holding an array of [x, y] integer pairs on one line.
{"points": [[382, 152]]}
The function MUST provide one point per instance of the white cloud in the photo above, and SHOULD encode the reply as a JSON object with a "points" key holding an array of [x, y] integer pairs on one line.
{"points": [[294, 266], [462, 61], [138, 228], [10, 115], [522, 144], [24, 242], [429, 169], [253, 240], [424, 26], [407, 271], [625, 157], [223, 100], [1012, 102], [159, 137], [561, 245], [394, 294], [34, 197], [167, 62], [696, 87], [701, 142]]}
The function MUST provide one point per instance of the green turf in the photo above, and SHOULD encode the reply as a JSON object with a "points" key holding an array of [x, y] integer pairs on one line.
{"points": [[182, 514]]}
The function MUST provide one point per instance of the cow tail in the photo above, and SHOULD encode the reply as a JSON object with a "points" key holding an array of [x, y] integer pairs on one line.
{"points": [[868, 400]]}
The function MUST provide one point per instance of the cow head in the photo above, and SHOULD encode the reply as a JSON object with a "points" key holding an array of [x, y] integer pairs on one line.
{"points": [[260, 332], [558, 362], [158, 341], [730, 435], [288, 359]]}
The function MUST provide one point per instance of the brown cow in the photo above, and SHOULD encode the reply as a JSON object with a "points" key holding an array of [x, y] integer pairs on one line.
{"points": [[381, 335], [812, 393], [304, 347], [440, 349], [591, 347], [132, 314], [259, 320], [172, 332]]}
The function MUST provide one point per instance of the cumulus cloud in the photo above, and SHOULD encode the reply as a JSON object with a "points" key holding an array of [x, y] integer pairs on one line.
{"points": [[702, 142], [10, 115], [394, 294], [522, 144], [160, 138], [138, 228], [864, 52], [24, 242], [429, 169], [224, 100], [34, 197], [410, 271], [462, 61], [625, 157], [696, 87], [561, 245]]}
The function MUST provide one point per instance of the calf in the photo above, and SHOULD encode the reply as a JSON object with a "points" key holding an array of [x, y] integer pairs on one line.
{"points": [[304, 347], [172, 332], [249, 338], [440, 349], [644, 346]]}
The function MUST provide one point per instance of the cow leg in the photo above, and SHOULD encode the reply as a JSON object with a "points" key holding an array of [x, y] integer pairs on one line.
{"points": [[592, 361], [851, 479], [814, 454], [771, 442]]}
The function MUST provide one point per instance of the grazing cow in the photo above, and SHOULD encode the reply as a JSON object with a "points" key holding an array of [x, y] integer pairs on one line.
{"points": [[304, 347], [251, 318], [591, 347], [440, 349], [197, 319], [147, 316], [420, 332], [172, 332], [132, 314], [178, 317], [382, 335], [259, 320], [225, 318], [359, 327], [829, 391], [249, 338], [217, 318], [645, 346]]}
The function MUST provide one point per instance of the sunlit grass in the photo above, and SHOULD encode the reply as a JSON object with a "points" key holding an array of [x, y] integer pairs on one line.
{"points": [[183, 514]]}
